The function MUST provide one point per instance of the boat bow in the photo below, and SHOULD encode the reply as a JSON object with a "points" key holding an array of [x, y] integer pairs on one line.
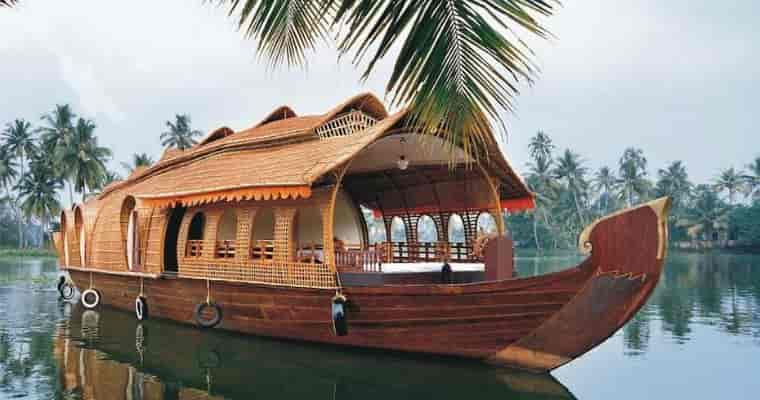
{"points": [[627, 250]]}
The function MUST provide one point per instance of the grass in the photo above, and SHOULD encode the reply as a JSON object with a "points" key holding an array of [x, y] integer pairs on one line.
{"points": [[31, 252]]}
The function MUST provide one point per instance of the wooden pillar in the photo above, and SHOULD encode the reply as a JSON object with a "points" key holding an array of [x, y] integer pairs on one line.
{"points": [[496, 209], [284, 235], [243, 236]]}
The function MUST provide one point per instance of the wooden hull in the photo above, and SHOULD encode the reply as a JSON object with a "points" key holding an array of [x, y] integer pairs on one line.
{"points": [[536, 323]]}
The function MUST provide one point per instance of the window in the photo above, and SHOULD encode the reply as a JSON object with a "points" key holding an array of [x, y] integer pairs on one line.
{"points": [[226, 235], [426, 230], [194, 247]]}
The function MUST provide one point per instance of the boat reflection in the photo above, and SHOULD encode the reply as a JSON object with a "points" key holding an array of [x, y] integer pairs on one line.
{"points": [[107, 354]]}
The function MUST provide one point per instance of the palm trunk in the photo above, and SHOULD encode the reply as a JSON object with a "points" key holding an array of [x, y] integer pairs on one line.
{"points": [[71, 192], [18, 207], [535, 230], [578, 208]]}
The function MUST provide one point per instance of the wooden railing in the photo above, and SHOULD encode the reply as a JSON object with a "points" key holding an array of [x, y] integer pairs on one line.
{"points": [[358, 259], [310, 253], [225, 249], [262, 250], [273, 273], [194, 248]]}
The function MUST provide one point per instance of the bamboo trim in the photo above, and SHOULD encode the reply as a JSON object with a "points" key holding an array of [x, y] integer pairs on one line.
{"points": [[501, 230], [253, 193]]}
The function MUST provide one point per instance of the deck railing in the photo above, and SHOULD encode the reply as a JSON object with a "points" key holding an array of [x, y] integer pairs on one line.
{"points": [[194, 248], [225, 249], [292, 274], [262, 250], [358, 259]]}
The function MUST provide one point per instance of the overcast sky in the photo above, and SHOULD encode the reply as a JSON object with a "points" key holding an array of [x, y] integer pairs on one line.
{"points": [[678, 79]]}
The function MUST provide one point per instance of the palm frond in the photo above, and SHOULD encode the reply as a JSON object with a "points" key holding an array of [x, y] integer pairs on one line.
{"points": [[456, 67], [8, 3], [284, 29]]}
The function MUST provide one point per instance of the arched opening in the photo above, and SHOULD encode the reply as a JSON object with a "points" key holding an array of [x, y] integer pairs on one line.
{"points": [[308, 236], [65, 239], [486, 224], [262, 236], [398, 230], [171, 238], [80, 232], [456, 229], [195, 235], [130, 232], [375, 226], [226, 235], [426, 230]]}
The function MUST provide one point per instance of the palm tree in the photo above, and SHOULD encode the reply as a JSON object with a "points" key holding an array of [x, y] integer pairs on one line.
{"points": [[38, 191], [605, 183], [707, 214], [83, 159], [180, 135], [731, 181], [459, 61], [633, 172], [542, 183], [8, 175], [138, 160], [541, 146], [56, 136], [570, 169], [19, 141], [754, 178], [674, 182]]}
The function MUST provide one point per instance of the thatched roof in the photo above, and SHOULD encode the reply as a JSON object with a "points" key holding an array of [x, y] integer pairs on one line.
{"points": [[280, 157]]}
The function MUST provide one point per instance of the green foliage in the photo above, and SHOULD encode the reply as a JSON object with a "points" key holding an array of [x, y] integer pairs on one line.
{"points": [[746, 222]]}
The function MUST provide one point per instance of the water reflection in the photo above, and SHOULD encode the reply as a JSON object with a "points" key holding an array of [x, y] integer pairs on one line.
{"points": [[54, 349]]}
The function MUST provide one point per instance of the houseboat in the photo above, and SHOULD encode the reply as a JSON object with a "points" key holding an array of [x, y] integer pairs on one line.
{"points": [[263, 231]]}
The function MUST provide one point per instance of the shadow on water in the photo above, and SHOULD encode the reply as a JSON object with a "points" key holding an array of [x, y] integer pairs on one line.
{"points": [[51, 349]]}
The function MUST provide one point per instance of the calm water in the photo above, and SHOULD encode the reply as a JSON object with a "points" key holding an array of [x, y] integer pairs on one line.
{"points": [[699, 337]]}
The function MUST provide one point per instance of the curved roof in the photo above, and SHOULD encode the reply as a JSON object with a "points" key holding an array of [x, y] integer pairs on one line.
{"points": [[279, 113], [280, 158]]}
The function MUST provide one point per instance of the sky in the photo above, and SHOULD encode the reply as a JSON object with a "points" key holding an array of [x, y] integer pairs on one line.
{"points": [[678, 79]]}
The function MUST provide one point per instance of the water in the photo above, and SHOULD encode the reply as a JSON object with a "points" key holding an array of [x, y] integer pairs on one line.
{"points": [[698, 337]]}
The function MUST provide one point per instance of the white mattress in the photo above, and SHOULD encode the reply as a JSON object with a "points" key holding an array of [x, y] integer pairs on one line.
{"points": [[430, 267]]}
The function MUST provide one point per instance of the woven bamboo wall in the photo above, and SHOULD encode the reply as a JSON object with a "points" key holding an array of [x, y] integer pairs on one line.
{"points": [[73, 239], [108, 244]]}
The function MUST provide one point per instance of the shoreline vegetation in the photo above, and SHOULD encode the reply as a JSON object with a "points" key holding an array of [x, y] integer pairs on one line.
{"points": [[28, 252]]}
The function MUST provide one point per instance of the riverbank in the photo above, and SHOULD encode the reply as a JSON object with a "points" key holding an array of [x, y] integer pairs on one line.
{"points": [[31, 252]]}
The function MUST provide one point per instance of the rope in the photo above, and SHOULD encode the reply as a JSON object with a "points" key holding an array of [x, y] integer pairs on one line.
{"points": [[208, 292], [141, 286]]}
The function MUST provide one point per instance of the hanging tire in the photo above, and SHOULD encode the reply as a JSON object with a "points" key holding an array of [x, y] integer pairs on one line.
{"points": [[90, 298], [67, 291], [201, 320], [141, 308], [340, 323]]}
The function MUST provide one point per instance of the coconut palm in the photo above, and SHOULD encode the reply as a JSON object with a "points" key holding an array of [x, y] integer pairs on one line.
{"points": [[138, 160], [83, 159], [19, 141], [180, 135], [56, 134], [570, 169], [459, 61], [633, 173], [753, 178], [731, 181], [605, 183], [541, 146], [707, 214], [7, 3], [8, 172], [541, 181], [38, 191], [674, 182]]}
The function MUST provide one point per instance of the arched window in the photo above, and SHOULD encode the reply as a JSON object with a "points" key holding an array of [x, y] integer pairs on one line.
{"points": [[426, 230], [398, 230], [131, 232], [80, 232], [486, 224], [226, 235], [195, 235], [308, 235], [262, 236]]}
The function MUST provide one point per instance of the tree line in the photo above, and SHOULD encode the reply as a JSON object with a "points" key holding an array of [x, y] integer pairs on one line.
{"points": [[569, 195], [61, 153]]}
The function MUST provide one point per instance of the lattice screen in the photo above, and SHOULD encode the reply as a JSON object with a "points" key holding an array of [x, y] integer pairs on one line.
{"points": [[345, 125]]}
